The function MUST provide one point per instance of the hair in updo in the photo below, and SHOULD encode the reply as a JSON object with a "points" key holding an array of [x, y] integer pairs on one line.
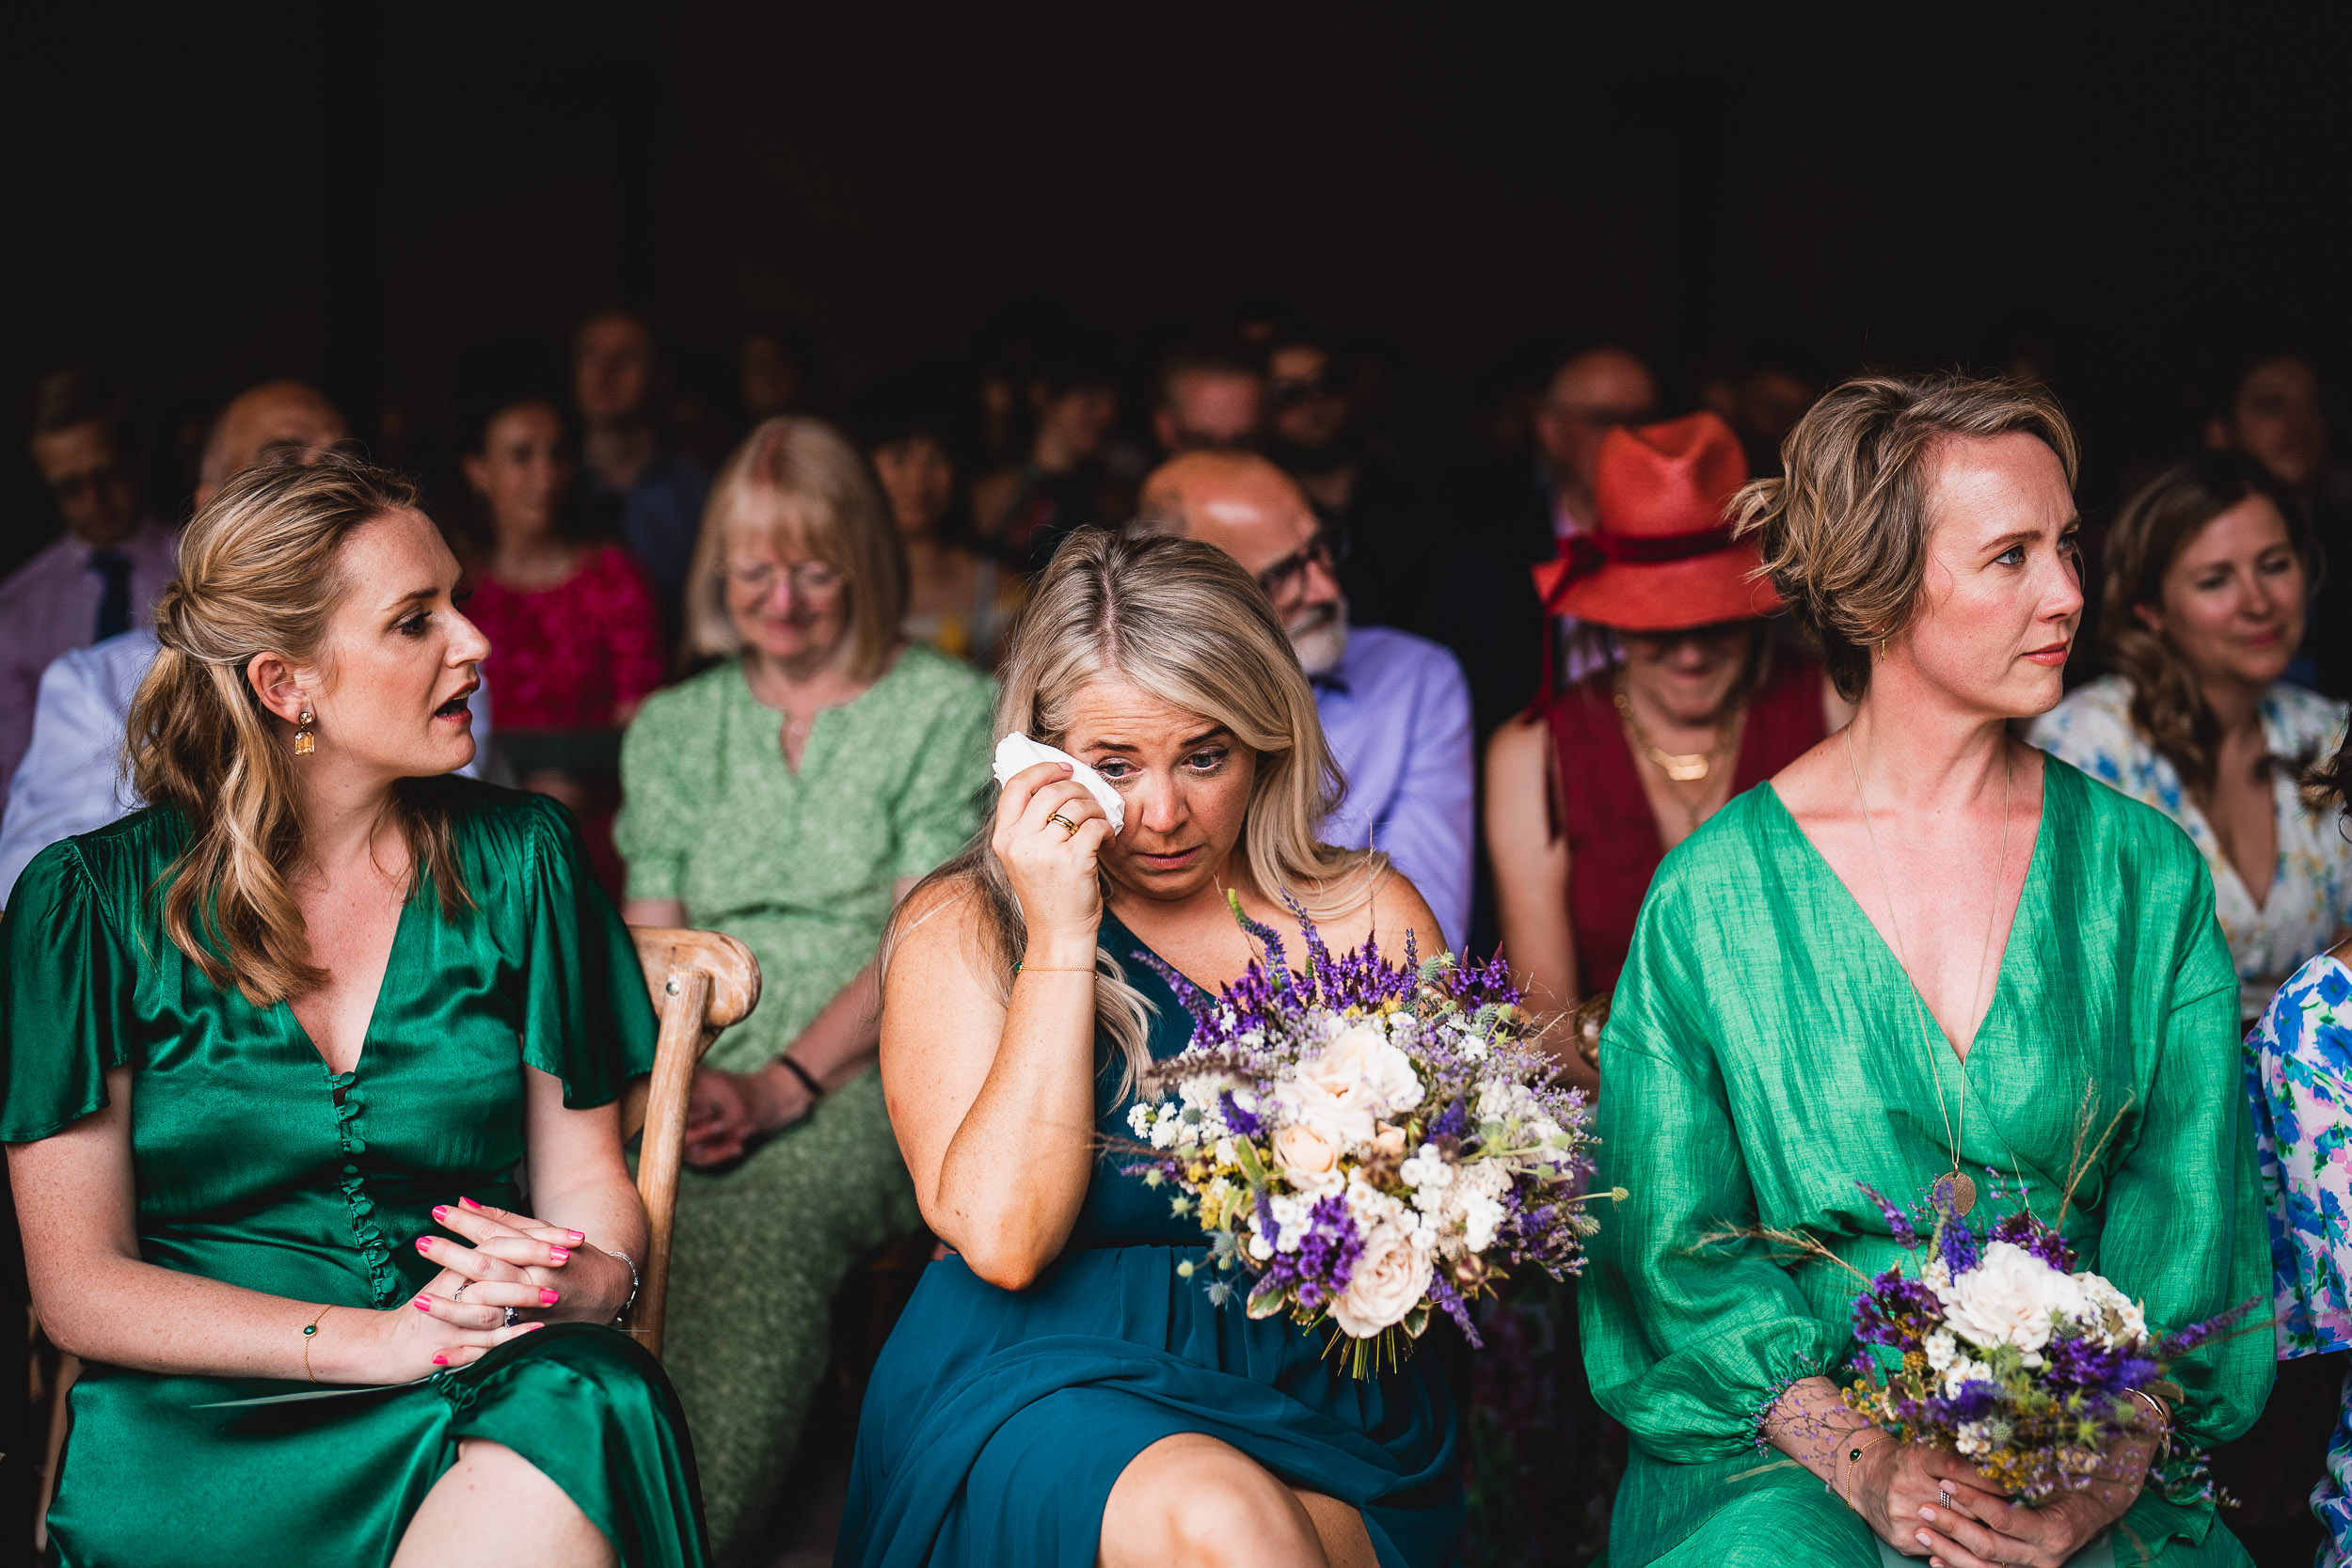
{"points": [[1844, 535], [260, 573]]}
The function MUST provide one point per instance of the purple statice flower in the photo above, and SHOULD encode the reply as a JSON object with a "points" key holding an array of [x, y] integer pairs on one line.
{"points": [[1247, 1123], [1958, 1244], [2080, 1362], [1325, 1261], [2021, 1229], [1974, 1403], [1441, 1290], [1894, 1311], [1451, 1122], [1898, 1220]]}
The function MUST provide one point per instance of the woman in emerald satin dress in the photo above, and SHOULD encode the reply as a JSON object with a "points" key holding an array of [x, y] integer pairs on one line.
{"points": [[1058, 1392], [271, 1051], [1917, 949]]}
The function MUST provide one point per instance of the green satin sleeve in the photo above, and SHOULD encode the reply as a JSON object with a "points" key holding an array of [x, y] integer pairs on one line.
{"points": [[586, 1017], [67, 987], [1686, 1345]]}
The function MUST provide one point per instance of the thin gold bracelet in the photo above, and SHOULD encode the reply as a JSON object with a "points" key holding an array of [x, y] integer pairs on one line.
{"points": [[1853, 1461], [1050, 968], [2163, 1422], [310, 1332]]}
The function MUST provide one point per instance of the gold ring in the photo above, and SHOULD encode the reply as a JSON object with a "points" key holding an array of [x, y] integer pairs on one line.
{"points": [[1069, 829]]}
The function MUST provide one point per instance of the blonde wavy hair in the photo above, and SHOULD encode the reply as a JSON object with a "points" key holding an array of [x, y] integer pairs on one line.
{"points": [[1844, 535], [802, 482], [260, 573], [1181, 621]]}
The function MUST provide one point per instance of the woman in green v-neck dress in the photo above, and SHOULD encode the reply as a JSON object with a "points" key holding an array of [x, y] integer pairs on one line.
{"points": [[241, 1218], [787, 796], [1786, 1029]]}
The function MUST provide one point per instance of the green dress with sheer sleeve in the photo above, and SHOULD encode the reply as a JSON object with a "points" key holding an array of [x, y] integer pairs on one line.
{"points": [[798, 863], [1765, 1052], [257, 1166]]}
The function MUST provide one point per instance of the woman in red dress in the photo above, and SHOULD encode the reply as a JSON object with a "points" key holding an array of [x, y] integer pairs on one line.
{"points": [[574, 627], [1693, 702]]}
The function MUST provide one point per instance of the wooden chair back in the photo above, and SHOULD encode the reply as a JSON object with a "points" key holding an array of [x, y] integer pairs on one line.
{"points": [[701, 982]]}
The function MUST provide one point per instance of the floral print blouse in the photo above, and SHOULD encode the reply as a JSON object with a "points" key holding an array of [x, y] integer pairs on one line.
{"points": [[2299, 1071], [2311, 886]]}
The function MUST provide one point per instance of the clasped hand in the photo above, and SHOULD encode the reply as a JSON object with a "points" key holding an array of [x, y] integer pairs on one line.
{"points": [[1925, 1502], [544, 1270]]}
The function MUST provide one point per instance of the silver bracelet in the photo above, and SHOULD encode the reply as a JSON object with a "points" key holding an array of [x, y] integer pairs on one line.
{"points": [[616, 1252]]}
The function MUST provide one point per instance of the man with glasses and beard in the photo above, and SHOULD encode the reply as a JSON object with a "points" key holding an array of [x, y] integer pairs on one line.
{"points": [[1394, 706]]}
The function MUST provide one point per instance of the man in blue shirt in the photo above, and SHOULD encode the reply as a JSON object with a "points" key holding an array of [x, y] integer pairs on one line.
{"points": [[1394, 706]]}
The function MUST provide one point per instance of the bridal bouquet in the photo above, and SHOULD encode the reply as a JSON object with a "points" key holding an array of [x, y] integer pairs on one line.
{"points": [[2008, 1356], [1366, 1141]]}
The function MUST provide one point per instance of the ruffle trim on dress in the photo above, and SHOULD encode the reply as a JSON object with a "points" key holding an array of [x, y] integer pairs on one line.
{"points": [[350, 1105], [1771, 1397]]}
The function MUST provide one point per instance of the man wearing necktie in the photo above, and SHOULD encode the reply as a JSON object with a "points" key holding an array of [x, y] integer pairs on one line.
{"points": [[101, 576]]}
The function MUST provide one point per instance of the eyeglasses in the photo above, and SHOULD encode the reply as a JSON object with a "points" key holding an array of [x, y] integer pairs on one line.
{"points": [[1327, 550], [810, 579]]}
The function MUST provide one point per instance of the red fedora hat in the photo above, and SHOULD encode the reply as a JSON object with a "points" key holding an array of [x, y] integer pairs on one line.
{"points": [[1660, 556]]}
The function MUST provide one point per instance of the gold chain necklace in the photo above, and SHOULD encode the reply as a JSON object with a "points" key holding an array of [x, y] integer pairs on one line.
{"points": [[1681, 767], [1960, 1187]]}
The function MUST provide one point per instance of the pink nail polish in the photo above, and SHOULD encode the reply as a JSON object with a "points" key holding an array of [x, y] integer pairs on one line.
{"points": [[424, 1243], [548, 1297], [577, 1236], [529, 1327], [467, 1203], [439, 1212], [421, 1304], [559, 1255], [443, 1361]]}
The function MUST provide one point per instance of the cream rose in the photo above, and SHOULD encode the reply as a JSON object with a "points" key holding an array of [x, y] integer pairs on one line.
{"points": [[1391, 1277], [1306, 1156], [2010, 1298]]}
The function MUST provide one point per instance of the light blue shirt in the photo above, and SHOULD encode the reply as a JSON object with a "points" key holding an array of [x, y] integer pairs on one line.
{"points": [[71, 779], [1397, 714]]}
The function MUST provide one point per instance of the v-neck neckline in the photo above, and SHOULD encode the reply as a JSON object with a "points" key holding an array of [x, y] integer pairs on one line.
{"points": [[2035, 871], [376, 1005], [772, 741]]}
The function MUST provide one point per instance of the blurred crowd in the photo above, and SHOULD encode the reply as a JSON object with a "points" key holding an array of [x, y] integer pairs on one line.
{"points": [[742, 623]]}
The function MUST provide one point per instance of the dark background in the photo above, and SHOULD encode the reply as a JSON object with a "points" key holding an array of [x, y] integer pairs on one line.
{"points": [[356, 194], [2126, 200]]}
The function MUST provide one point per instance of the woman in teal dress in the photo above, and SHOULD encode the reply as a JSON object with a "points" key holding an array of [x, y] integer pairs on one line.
{"points": [[789, 795], [1923, 952], [1062, 1390], [273, 1052]]}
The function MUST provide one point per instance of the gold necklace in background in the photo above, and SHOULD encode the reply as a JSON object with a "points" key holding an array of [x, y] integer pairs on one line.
{"points": [[1960, 1185], [1682, 768]]}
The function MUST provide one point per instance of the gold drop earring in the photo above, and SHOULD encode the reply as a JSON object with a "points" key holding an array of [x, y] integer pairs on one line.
{"points": [[306, 739]]}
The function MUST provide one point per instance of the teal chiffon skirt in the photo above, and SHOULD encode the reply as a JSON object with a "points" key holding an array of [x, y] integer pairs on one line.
{"points": [[998, 1421]]}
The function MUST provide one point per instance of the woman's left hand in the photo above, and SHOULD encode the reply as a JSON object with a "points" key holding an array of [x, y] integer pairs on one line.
{"points": [[545, 1271], [726, 1110], [1988, 1532]]}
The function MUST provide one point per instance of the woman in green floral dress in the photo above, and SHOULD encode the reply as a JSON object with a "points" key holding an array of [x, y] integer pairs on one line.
{"points": [[1921, 952], [788, 796]]}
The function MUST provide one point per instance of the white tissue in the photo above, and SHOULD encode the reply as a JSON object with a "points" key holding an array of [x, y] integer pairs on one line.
{"points": [[1017, 751]]}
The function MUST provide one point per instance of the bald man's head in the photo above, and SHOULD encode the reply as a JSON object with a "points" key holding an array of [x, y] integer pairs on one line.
{"points": [[1255, 512], [289, 412]]}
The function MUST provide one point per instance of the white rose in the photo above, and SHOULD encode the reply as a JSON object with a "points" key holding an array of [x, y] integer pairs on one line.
{"points": [[2010, 1298], [1308, 1156], [1391, 1277], [1362, 1059]]}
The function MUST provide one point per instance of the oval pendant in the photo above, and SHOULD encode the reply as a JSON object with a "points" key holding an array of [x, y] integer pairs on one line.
{"points": [[1956, 1192], [1685, 769]]}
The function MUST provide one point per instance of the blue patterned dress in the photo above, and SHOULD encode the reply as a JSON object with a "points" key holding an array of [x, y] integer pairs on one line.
{"points": [[2299, 1071]]}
